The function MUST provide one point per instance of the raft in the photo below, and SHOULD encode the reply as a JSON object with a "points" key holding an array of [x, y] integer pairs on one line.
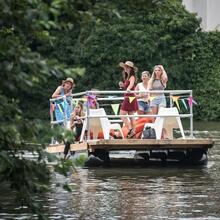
{"points": [[185, 150]]}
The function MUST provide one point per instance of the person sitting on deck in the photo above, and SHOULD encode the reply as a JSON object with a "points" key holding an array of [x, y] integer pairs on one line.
{"points": [[76, 122], [129, 105]]}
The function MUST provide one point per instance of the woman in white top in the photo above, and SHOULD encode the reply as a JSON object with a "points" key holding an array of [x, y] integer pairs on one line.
{"points": [[143, 103]]}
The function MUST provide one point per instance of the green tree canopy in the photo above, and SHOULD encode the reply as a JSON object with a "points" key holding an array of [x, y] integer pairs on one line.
{"points": [[26, 28], [147, 32]]}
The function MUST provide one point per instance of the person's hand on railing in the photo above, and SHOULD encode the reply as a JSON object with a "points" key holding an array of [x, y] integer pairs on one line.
{"points": [[69, 93], [148, 97]]}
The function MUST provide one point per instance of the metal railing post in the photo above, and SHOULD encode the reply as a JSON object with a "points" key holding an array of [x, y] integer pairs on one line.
{"points": [[171, 100], [51, 119], [191, 115], [87, 117], [64, 113]]}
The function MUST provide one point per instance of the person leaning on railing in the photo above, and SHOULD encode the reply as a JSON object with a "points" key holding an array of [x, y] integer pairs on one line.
{"points": [[129, 105], [64, 90]]}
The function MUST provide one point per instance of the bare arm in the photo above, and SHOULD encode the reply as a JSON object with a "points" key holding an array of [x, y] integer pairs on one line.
{"points": [[164, 76], [138, 95], [73, 115], [57, 92], [149, 86], [131, 84]]}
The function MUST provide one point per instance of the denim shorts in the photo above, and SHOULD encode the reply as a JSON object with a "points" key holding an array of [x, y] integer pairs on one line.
{"points": [[158, 101], [143, 106]]}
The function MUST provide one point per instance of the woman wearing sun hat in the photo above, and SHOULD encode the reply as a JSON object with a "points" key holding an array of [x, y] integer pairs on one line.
{"points": [[64, 89], [63, 105], [129, 105]]}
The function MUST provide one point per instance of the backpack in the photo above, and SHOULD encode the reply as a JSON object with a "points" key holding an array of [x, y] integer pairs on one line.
{"points": [[149, 133]]}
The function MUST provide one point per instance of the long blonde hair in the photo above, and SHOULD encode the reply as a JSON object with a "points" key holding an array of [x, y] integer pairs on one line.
{"points": [[153, 77]]}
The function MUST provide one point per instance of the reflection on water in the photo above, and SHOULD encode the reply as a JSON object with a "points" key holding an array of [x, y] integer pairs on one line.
{"points": [[154, 192]]}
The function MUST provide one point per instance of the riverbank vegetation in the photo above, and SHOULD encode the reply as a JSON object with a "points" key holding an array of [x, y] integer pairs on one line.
{"points": [[44, 41], [148, 33]]}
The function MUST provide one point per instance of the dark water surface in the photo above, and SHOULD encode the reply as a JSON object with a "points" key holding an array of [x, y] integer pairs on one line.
{"points": [[154, 192]]}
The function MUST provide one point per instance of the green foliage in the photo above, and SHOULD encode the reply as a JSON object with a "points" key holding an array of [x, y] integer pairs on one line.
{"points": [[64, 166], [26, 29], [42, 42], [80, 160], [148, 33]]}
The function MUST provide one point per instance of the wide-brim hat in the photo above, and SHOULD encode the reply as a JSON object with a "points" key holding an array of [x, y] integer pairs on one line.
{"points": [[130, 64], [69, 80]]}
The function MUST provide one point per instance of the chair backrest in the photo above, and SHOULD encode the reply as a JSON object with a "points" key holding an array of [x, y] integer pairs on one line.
{"points": [[100, 112], [97, 124], [171, 122]]}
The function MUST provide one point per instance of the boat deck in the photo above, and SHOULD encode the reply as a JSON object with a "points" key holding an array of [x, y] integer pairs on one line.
{"points": [[135, 144]]}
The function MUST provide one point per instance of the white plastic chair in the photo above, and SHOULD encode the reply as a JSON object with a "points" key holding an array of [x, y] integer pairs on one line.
{"points": [[169, 123], [99, 123]]}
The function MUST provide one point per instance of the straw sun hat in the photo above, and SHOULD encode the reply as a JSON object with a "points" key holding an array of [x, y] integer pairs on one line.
{"points": [[69, 79], [128, 63]]}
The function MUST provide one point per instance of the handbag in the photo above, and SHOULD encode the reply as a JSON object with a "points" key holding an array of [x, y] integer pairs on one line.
{"points": [[149, 133]]}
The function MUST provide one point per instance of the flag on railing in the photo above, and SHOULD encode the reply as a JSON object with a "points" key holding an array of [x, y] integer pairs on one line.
{"points": [[91, 100], [52, 107], [115, 108], [175, 100], [190, 99], [184, 103], [131, 98]]}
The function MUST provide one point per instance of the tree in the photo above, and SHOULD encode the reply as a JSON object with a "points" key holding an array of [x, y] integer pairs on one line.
{"points": [[149, 33], [26, 28]]}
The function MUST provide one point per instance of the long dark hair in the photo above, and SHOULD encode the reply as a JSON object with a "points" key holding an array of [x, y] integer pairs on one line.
{"points": [[126, 75]]}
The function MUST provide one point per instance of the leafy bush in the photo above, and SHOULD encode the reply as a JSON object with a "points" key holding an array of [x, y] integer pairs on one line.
{"points": [[148, 33]]}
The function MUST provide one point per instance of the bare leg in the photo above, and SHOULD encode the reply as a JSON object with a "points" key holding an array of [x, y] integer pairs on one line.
{"points": [[132, 119], [125, 120], [140, 112], [154, 111]]}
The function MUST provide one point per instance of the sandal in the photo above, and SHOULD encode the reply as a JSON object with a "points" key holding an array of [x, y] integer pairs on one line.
{"points": [[131, 133]]}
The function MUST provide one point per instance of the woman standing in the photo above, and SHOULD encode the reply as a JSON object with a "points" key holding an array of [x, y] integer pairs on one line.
{"points": [[64, 89], [63, 106], [158, 81], [143, 103], [129, 105]]}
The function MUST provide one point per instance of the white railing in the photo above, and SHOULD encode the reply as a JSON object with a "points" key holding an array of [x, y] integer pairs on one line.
{"points": [[78, 96]]}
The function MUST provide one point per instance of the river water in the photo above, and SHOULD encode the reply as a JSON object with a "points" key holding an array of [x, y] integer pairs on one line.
{"points": [[134, 192]]}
